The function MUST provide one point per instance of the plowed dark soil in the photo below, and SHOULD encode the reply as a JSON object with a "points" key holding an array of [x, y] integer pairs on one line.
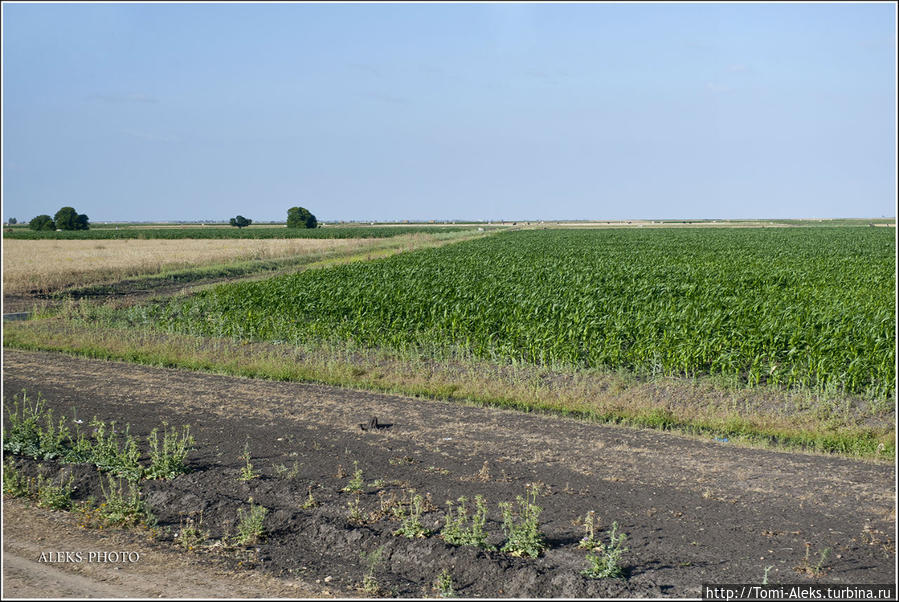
{"points": [[694, 511]]}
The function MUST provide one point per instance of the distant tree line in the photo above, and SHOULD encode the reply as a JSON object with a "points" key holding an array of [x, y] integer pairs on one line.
{"points": [[297, 217], [65, 219]]}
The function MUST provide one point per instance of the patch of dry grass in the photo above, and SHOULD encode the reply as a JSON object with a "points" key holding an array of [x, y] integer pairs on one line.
{"points": [[50, 265]]}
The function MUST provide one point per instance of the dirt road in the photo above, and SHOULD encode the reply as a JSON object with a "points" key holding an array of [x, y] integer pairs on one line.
{"points": [[694, 511]]}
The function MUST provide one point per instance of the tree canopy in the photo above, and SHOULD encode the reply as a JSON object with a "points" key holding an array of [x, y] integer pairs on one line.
{"points": [[69, 219], [240, 221], [299, 217], [42, 222]]}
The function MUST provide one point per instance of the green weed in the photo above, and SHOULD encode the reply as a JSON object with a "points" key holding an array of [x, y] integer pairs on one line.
{"points": [[250, 525], [523, 537], [14, 482], [113, 456], [444, 585], [410, 518], [371, 561], [50, 495], [605, 560], [123, 508], [357, 482], [167, 461], [247, 473], [462, 530]]}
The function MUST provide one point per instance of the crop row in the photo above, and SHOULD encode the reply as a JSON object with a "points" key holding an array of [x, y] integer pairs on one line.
{"points": [[807, 308]]}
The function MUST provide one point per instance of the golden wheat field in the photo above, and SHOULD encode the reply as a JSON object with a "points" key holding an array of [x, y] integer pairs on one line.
{"points": [[47, 265]]}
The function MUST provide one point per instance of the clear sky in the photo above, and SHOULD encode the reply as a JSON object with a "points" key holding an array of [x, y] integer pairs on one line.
{"points": [[449, 111]]}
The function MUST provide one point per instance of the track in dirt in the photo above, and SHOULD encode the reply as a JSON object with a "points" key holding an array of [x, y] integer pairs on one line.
{"points": [[694, 511]]}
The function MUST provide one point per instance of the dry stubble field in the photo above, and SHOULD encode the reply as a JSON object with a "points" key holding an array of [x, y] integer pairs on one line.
{"points": [[47, 265]]}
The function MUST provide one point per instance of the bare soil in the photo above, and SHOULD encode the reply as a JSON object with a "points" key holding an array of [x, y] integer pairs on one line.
{"points": [[694, 511]]}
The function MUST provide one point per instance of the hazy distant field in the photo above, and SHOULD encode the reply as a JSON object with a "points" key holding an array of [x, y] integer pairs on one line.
{"points": [[225, 232], [54, 264]]}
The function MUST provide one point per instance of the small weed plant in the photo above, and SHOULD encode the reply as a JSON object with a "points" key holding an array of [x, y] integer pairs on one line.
{"points": [[604, 561], [591, 524], [354, 512], [250, 524], [462, 529], [310, 502], [33, 431], [523, 537], [816, 569], [112, 455], [15, 483], [357, 482], [247, 473], [52, 496], [191, 534], [123, 508], [444, 585], [371, 561], [167, 457], [410, 518]]}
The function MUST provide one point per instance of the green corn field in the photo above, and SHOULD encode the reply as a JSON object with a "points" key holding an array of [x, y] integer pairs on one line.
{"points": [[806, 308]]}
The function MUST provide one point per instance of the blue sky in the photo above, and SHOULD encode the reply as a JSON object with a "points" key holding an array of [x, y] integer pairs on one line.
{"points": [[449, 111]]}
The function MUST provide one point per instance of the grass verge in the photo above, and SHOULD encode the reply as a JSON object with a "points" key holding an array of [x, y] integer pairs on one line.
{"points": [[702, 407]]}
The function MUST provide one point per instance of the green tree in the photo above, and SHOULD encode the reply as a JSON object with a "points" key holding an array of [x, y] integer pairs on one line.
{"points": [[69, 219], [299, 217], [42, 222], [13, 221], [240, 221]]}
